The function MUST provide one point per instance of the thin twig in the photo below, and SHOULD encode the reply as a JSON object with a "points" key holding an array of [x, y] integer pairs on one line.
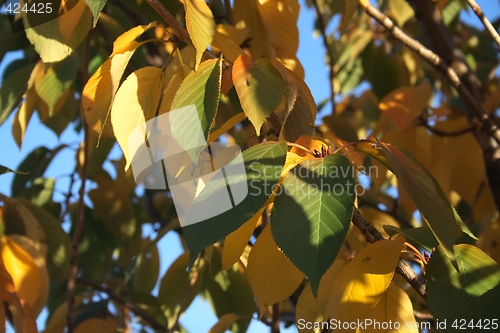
{"points": [[437, 62], [275, 323], [68, 197], [422, 122], [487, 24], [180, 31], [80, 221], [322, 28], [372, 235], [126, 304]]}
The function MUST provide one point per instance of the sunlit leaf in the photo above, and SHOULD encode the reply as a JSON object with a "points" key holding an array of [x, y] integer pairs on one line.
{"points": [[97, 325], [266, 267], [394, 307], [225, 322], [362, 282], [200, 25], [201, 88], [136, 102], [312, 213], [260, 88], [235, 242]]}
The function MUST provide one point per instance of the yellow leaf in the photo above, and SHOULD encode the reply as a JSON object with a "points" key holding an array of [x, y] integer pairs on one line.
{"points": [[100, 90], [97, 325], [311, 309], [27, 269], [249, 14], [228, 39], [235, 242], [309, 143], [404, 104], [23, 116], [363, 280], [225, 322], [177, 70], [267, 266], [233, 121], [122, 43], [282, 32], [135, 102], [68, 21], [200, 25], [394, 306]]}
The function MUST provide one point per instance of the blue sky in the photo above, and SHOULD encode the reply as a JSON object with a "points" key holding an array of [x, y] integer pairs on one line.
{"points": [[199, 317]]}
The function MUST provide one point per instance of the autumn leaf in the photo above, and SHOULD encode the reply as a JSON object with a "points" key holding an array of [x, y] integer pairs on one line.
{"points": [[136, 102], [260, 88], [266, 267], [362, 282], [200, 25]]}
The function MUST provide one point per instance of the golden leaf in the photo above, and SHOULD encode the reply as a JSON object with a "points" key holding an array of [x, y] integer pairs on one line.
{"points": [[267, 266]]}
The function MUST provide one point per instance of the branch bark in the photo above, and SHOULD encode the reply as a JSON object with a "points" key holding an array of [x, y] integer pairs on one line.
{"points": [[126, 304], [372, 235], [80, 221], [487, 24]]}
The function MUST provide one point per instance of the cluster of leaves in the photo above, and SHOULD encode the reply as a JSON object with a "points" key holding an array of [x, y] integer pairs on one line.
{"points": [[105, 68]]}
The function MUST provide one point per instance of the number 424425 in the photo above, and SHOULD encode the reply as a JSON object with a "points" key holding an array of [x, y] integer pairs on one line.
{"points": [[486, 324], [40, 8]]}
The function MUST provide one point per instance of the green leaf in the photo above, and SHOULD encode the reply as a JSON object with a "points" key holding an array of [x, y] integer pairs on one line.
{"points": [[58, 242], [56, 80], [12, 91], [33, 166], [201, 88], [263, 166], [229, 292], [423, 235], [312, 213], [174, 284], [350, 9], [95, 6], [43, 32], [470, 294], [427, 195], [260, 88]]}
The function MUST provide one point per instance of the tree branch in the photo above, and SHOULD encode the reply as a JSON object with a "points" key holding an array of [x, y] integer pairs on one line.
{"points": [[180, 31], [422, 122], [322, 28], [126, 304], [437, 62], [444, 45], [487, 24], [80, 220], [275, 324], [372, 235]]}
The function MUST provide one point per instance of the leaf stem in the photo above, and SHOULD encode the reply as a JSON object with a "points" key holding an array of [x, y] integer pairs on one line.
{"points": [[300, 147], [351, 144]]}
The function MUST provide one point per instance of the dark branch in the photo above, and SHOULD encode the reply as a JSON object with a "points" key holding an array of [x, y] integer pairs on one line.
{"points": [[423, 122], [126, 304]]}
